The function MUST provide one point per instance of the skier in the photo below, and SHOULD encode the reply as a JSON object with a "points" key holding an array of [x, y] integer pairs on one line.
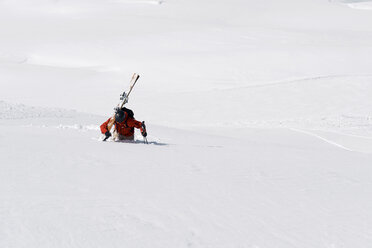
{"points": [[124, 125]]}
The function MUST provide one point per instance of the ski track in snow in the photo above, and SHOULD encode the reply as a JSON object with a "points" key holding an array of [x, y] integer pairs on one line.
{"points": [[321, 138], [305, 79], [79, 127]]}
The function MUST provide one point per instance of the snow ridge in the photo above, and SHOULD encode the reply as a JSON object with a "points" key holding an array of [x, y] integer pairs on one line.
{"points": [[21, 111]]}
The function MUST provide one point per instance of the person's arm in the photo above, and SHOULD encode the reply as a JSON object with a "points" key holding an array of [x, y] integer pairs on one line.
{"points": [[137, 124], [134, 123], [107, 125]]}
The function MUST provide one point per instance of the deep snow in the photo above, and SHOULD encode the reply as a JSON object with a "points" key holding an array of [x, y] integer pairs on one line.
{"points": [[259, 116]]}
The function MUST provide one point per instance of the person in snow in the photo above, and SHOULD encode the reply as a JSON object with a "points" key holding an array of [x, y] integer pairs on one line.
{"points": [[124, 125]]}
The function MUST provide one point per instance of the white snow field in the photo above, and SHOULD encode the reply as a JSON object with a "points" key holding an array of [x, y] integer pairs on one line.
{"points": [[259, 116]]}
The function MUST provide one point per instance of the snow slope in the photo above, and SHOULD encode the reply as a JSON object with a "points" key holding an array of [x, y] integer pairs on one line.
{"points": [[60, 187], [259, 116]]}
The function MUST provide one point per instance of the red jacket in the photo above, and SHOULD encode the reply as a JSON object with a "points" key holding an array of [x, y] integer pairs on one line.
{"points": [[125, 128]]}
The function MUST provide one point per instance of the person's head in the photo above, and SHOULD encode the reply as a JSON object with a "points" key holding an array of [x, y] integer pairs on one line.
{"points": [[119, 115]]}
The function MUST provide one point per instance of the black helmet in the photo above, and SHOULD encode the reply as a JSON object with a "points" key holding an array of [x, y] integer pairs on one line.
{"points": [[120, 115]]}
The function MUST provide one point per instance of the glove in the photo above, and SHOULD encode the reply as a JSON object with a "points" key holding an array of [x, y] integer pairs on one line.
{"points": [[143, 129], [108, 134], [144, 133]]}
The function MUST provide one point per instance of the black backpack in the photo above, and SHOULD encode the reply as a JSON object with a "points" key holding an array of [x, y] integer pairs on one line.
{"points": [[130, 115], [128, 111]]}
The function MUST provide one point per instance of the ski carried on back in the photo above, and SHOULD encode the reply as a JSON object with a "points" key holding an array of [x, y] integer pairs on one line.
{"points": [[124, 96], [123, 100]]}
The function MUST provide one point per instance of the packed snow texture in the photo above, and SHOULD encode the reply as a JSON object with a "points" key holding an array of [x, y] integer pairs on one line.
{"points": [[259, 116], [20, 111]]}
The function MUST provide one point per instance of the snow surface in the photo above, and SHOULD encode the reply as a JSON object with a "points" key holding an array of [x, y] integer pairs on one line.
{"points": [[259, 116]]}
